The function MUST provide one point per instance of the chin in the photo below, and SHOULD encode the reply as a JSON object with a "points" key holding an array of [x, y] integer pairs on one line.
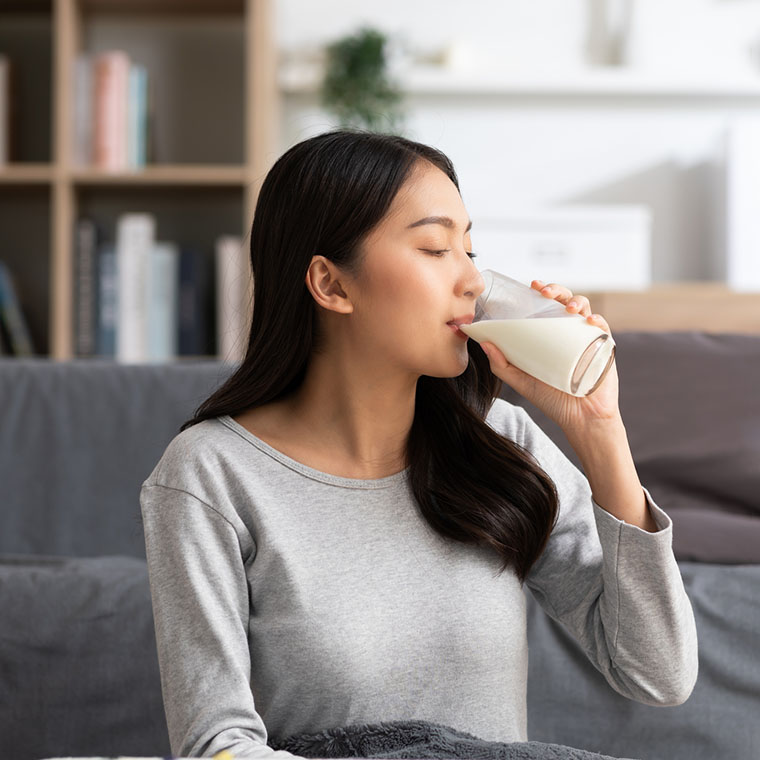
{"points": [[456, 368]]}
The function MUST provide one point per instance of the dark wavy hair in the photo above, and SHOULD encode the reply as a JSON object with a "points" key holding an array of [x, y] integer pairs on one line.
{"points": [[323, 196]]}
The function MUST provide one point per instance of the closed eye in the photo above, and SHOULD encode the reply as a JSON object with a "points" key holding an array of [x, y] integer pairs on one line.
{"points": [[441, 251]]}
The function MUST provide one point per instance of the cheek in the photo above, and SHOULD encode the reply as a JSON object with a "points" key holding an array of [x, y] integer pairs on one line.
{"points": [[401, 305], [396, 292]]}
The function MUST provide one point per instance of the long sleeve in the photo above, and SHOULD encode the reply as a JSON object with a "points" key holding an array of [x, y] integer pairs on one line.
{"points": [[615, 587], [201, 609]]}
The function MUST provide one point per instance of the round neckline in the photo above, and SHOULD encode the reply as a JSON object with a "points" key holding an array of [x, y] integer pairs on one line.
{"points": [[304, 469]]}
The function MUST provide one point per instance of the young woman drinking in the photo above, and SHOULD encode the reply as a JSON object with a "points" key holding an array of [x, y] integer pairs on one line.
{"points": [[343, 532]]}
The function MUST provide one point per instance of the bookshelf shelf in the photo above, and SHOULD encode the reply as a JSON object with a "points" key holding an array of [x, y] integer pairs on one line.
{"points": [[211, 145], [26, 174], [178, 7], [235, 176]]}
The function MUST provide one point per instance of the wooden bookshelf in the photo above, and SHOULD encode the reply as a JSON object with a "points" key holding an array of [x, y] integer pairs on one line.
{"points": [[222, 144], [26, 174]]}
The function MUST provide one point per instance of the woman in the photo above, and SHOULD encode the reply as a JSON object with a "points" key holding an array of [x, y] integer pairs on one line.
{"points": [[343, 531]]}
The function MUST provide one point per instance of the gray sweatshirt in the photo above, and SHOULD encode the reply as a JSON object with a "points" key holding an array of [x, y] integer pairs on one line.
{"points": [[289, 600]]}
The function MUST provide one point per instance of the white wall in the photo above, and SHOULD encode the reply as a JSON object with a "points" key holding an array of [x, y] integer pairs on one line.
{"points": [[511, 150]]}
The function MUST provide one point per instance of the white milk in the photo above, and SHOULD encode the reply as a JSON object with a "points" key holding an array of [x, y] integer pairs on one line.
{"points": [[547, 348]]}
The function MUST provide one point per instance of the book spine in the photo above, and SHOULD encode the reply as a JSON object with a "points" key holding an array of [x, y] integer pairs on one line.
{"points": [[137, 115], [12, 317], [142, 118], [5, 106], [162, 302], [86, 290], [83, 111], [108, 300], [111, 94], [195, 294], [232, 273], [135, 241], [5, 348]]}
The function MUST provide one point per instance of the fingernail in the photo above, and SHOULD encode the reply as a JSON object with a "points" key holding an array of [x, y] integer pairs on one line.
{"points": [[573, 303]]}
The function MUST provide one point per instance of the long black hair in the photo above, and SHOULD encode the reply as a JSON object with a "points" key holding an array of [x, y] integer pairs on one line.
{"points": [[323, 196]]}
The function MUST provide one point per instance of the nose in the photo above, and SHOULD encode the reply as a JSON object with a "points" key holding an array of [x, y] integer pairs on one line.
{"points": [[475, 282]]}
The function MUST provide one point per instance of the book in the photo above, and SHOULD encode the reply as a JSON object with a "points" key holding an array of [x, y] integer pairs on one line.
{"points": [[111, 92], [232, 291], [5, 340], [6, 106], [5, 346], [135, 239], [86, 287], [15, 328], [83, 114], [162, 303], [110, 111], [137, 116], [195, 312], [108, 300]]}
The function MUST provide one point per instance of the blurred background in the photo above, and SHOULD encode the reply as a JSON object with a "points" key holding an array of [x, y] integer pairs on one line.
{"points": [[610, 145]]}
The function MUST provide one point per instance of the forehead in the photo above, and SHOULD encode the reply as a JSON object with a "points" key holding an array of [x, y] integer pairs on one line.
{"points": [[428, 191]]}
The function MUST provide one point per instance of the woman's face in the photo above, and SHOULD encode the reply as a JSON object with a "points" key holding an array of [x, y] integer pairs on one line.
{"points": [[417, 276]]}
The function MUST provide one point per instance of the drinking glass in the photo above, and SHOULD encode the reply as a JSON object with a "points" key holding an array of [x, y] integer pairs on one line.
{"points": [[539, 336]]}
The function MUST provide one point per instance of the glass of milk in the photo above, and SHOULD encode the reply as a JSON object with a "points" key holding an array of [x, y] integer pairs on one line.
{"points": [[539, 336]]}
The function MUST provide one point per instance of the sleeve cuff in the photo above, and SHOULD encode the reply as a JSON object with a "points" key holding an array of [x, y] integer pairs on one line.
{"points": [[609, 525]]}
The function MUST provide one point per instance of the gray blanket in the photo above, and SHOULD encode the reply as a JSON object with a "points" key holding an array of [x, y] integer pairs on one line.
{"points": [[421, 739]]}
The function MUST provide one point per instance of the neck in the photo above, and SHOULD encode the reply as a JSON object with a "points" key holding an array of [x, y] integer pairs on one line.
{"points": [[357, 411]]}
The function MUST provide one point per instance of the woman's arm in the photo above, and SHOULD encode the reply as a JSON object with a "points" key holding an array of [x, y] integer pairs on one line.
{"points": [[593, 424], [616, 587], [608, 464]]}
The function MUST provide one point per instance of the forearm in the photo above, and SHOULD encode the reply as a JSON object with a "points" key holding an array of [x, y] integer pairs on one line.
{"points": [[607, 462]]}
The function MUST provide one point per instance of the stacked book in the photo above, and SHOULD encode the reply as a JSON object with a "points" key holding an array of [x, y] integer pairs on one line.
{"points": [[6, 102], [140, 299], [111, 112], [15, 338]]}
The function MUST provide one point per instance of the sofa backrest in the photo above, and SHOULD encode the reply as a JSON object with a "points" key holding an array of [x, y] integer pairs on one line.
{"points": [[78, 438], [690, 402]]}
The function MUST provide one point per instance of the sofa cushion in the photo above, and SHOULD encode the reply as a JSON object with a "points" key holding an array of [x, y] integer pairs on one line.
{"points": [[78, 665], [569, 701]]}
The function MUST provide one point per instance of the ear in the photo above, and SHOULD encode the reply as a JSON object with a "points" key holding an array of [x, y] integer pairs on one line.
{"points": [[323, 279]]}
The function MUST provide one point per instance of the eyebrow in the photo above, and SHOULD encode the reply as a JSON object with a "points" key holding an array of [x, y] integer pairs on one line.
{"points": [[446, 221]]}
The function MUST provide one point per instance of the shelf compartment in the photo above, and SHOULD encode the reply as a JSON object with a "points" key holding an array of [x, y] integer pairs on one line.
{"points": [[192, 119], [25, 221], [191, 217], [26, 38]]}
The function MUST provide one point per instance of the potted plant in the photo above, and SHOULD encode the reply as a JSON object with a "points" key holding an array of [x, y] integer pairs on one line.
{"points": [[357, 88]]}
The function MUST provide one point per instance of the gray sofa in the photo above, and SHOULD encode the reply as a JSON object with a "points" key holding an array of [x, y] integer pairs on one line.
{"points": [[78, 665]]}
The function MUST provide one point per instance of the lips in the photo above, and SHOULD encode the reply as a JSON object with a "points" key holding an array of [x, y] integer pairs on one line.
{"points": [[465, 319], [457, 330]]}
